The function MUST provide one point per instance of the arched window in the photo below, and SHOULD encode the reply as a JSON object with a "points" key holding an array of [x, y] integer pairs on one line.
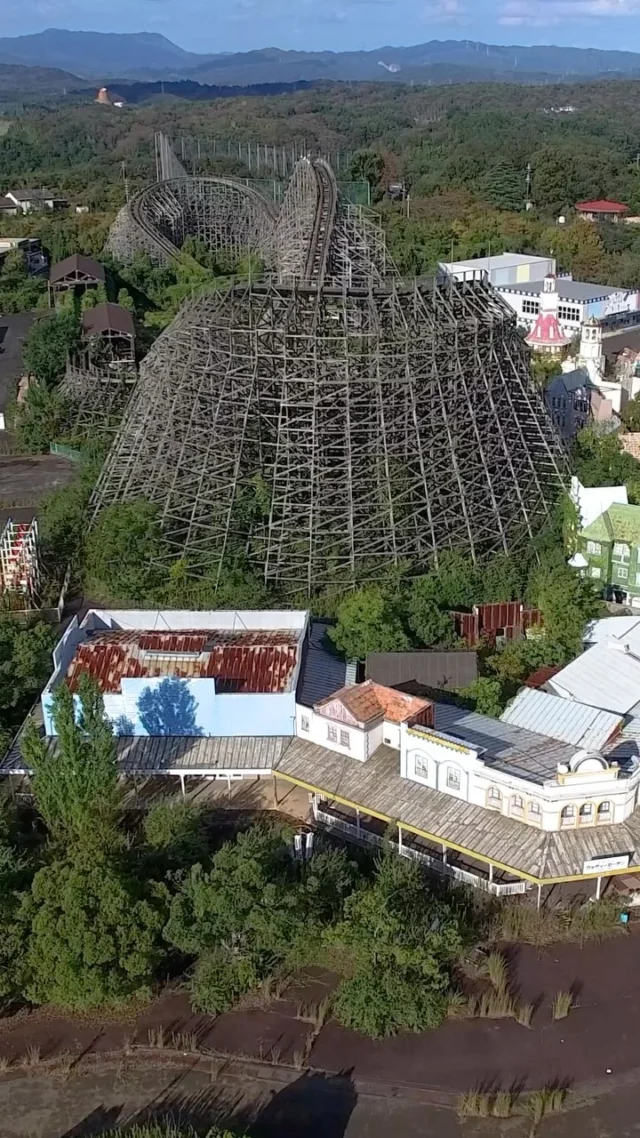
{"points": [[494, 798], [605, 813], [585, 815], [517, 804], [567, 816], [453, 778]]}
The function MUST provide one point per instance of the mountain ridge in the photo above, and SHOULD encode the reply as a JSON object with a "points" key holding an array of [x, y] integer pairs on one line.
{"points": [[149, 56]]}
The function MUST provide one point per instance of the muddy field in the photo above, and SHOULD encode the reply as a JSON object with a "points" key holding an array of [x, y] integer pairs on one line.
{"points": [[600, 1038]]}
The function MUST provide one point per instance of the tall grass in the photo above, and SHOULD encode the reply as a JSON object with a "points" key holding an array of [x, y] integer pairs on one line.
{"points": [[562, 1005], [516, 920], [496, 970]]}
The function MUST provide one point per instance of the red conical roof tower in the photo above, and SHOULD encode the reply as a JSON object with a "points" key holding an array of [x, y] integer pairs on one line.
{"points": [[546, 334]]}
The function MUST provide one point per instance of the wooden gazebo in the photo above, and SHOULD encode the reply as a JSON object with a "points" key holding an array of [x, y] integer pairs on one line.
{"points": [[75, 271], [114, 325]]}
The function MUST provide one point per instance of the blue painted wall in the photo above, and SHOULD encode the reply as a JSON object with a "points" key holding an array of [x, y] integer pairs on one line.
{"points": [[174, 706]]}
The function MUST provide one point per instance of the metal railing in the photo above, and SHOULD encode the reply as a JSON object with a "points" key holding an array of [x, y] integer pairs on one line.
{"points": [[369, 838]]}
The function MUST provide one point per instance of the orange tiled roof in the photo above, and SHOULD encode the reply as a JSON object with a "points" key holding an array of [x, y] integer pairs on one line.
{"points": [[369, 701]]}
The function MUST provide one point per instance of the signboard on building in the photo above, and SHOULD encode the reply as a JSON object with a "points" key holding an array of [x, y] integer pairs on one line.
{"points": [[606, 864]]}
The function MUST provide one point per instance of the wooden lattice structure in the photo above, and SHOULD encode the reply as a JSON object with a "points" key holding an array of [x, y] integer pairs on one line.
{"points": [[326, 433]]}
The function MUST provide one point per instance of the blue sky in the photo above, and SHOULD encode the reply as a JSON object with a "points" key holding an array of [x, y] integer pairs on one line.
{"points": [[240, 25]]}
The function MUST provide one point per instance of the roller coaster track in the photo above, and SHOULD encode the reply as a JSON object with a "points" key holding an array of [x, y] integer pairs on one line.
{"points": [[141, 222], [319, 251]]}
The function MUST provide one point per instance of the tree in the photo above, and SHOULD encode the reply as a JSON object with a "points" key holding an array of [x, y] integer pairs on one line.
{"points": [[567, 601], [175, 833], [454, 585], [630, 415], [367, 166], [125, 300], [403, 940], [486, 695], [42, 418], [244, 900], [49, 344], [125, 551], [368, 622], [15, 877], [94, 936], [504, 186], [25, 665], [254, 912], [76, 785], [503, 579], [598, 459], [432, 625]]}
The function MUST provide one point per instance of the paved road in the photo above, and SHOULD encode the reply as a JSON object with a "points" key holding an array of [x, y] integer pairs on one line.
{"points": [[13, 330], [46, 1106]]}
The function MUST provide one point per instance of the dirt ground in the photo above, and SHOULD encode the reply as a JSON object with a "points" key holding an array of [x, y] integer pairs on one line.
{"points": [[85, 1104], [599, 1039], [25, 480]]}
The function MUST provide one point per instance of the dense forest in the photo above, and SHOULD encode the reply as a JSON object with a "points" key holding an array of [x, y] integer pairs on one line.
{"points": [[461, 152]]}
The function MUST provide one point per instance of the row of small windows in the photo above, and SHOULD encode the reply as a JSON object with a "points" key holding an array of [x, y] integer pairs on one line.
{"points": [[333, 734], [585, 814], [567, 313], [530, 307], [534, 813], [621, 552]]}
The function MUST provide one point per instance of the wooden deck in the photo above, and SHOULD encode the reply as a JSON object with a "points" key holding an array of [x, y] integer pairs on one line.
{"points": [[485, 836]]}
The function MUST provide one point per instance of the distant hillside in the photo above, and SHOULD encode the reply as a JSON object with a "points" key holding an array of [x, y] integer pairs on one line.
{"points": [[437, 61], [18, 80], [97, 54], [149, 56]]}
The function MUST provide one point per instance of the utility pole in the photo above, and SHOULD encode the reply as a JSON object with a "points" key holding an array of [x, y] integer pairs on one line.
{"points": [[527, 201]]}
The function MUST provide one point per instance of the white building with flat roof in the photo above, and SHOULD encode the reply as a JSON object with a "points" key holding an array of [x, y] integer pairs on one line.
{"points": [[503, 269]]}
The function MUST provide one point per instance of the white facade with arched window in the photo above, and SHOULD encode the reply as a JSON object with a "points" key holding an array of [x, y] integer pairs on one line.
{"points": [[584, 791]]}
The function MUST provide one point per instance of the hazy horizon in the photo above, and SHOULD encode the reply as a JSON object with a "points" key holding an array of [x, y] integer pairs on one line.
{"points": [[342, 25]]}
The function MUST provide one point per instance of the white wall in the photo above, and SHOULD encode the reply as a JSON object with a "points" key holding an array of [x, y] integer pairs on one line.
{"points": [[362, 743], [432, 759]]}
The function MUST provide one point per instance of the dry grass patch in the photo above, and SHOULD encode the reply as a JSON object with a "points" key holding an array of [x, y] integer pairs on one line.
{"points": [[562, 1005]]}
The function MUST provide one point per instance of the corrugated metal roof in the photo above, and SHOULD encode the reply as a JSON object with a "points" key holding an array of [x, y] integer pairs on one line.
{"points": [[562, 719], [322, 670], [622, 628], [513, 749], [163, 754], [440, 670], [604, 676], [239, 661]]}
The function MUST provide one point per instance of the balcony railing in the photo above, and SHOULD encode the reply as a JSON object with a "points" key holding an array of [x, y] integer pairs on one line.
{"points": [[363, 836]]}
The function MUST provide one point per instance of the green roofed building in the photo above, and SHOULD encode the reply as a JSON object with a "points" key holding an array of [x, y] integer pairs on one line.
{"points": [[611, 548]]}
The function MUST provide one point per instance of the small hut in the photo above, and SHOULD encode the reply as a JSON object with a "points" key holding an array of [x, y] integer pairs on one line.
{"points": [[114, 326]]}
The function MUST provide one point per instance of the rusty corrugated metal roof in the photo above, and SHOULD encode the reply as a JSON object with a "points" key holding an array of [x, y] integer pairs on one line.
{"points": [[238, 661]]}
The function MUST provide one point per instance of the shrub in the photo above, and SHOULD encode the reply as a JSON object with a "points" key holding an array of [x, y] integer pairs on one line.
{"points": [[382, 1001], [219, 980]]}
